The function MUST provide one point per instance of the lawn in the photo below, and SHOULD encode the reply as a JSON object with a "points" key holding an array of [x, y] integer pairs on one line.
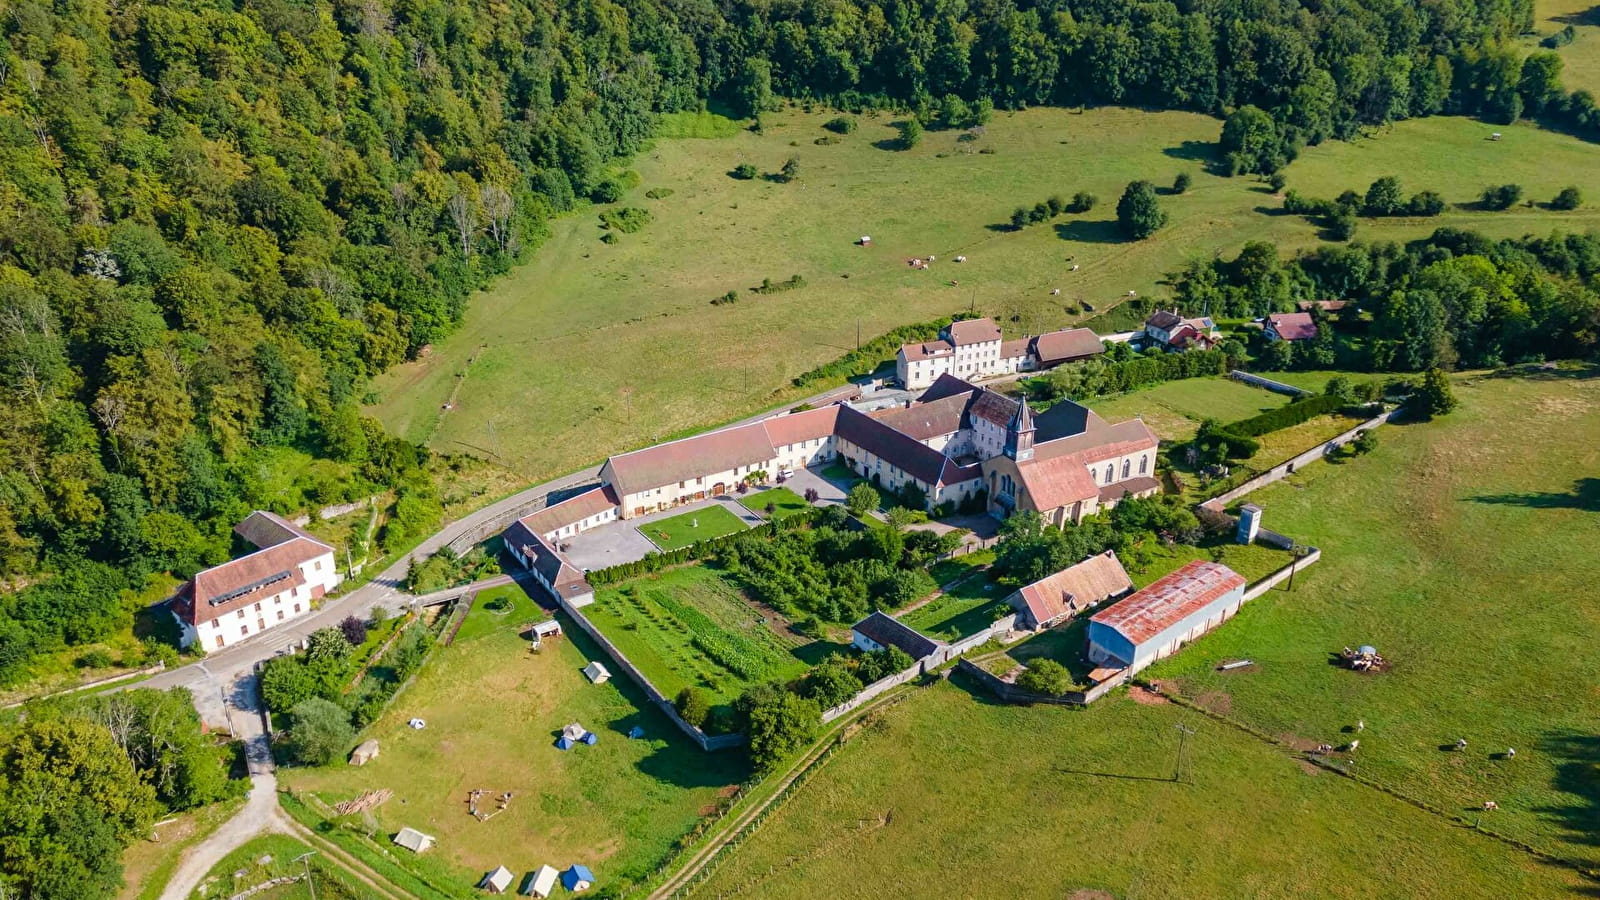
{"points": [[691, 528], [690, 626], [493, 709], [1464, 550], [1174, 409], [785, 502], [971, 606], [647, 299], [952, 793]]}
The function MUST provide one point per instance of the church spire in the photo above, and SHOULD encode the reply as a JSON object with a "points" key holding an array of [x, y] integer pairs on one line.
{"points": [[1019, 433]]}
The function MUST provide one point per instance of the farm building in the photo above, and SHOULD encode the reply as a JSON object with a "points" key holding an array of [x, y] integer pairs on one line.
{"points": [[413, 840], [1070, 592], [552, 570], [542, 883], [497, 881], [596, 673], [1155, 622], [366, 752], [1296, 326], [880, 632]]}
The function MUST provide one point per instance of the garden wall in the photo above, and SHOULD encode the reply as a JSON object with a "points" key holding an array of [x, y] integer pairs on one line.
{"points": [[933, 660], [706, 742], [1273, 580], [1010, 693], [1284, 470], [1277, 387]]}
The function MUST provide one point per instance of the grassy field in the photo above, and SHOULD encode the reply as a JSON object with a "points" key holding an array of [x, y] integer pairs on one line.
{"points": [[689, 626], [647, 298], [785, 501], [971, 606], [1464, 550], [952, 794], [147, 865], [1174, 410], [1580, 60], [691, 528], [493, 710], [243, 869]]}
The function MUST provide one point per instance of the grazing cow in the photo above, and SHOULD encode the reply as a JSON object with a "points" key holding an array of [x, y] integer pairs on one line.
{"points": [[1511, 753], [1490, 804], [1461, 743]]}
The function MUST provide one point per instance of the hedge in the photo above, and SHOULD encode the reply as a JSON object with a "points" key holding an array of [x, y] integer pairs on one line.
{"points": [[1286, 416]]}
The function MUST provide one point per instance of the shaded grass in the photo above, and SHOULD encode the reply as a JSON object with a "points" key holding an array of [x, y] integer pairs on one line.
{"points": [[690, 528], [242, 869], [787, 503]]}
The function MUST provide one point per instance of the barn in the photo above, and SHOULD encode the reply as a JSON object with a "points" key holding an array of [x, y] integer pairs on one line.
{"points": [[1155, 622]]}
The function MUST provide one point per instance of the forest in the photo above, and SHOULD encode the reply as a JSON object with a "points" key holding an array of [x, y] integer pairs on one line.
{"points": [[218, 221]]}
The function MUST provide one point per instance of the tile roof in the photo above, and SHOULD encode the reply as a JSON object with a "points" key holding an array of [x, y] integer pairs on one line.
{"points": [[1138, 484], [992, 407], [806, 425], [1068, 344], [1163, 319], [973, 331], [1076, 588], [891, 632], [1170, 600], [927, 350], [1099, 441], [238, 583], [593, 500], [947, 385], [544, 559], [916, 459], [1065, 419], [1056, 482], [1293, 326], [690, 458], [266, 529], [1017, 349], [924, 421]]}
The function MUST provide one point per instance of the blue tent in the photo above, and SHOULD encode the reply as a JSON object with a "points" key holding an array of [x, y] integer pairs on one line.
{"points": [[577, 878], [564, 743], [636, 732], [591, 739]]}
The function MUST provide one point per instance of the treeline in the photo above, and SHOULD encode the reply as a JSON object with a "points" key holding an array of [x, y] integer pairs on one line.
{"points": [[1455, 298], [83, 778]]}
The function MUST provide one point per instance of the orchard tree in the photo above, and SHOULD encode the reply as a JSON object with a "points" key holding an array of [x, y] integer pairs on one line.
{"points": [[693, 706], [1139, 212], [1046, 676]]}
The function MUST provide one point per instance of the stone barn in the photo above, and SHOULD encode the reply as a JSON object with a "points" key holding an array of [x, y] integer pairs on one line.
{"points": [[1154, 623]]}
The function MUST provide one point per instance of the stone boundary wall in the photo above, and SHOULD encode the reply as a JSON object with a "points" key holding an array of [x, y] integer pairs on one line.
{"points": [[926, 664], [1273, 580], [1010, 693], [1277, 387], [704, 741], [1284, 470], [492, 526], [873, 690]]}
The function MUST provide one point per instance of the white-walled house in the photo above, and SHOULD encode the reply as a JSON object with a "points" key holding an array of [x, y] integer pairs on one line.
{"points": [[973, 348], [241, 598]]}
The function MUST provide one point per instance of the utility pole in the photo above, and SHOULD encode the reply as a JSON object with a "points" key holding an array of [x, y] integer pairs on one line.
{"points": [[1300, 553], [858, 334], [303, 859], [1183, 734]]}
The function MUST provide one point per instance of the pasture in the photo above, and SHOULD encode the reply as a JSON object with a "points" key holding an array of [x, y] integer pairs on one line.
{"points": [[493, 709], [703, 524], [553, 334], [952, 793], [1580, 60], [690, 627], [1463, 549], [1175, 409]]}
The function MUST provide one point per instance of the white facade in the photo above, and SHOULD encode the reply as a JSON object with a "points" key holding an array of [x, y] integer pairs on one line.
{"points": [[264, 612]]}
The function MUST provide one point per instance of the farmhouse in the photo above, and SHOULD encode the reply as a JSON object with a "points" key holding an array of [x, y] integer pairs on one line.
{"points": [[1155, 622], [973, 348], [1295, 326], [1070, 592], [1167, 329], [880, 631], [552, 570], [279, 581]]}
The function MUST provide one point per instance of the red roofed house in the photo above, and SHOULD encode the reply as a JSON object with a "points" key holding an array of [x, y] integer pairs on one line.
{"points": [[1155, 622], [1296, 326], [1165, 328], [1070, 592], [278, 582]]}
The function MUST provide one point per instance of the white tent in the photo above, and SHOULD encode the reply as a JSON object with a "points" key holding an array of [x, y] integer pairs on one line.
{"points": [[497, 881], [574, 732], [543, 883], [597, 673], [413, 840], [367, 752]]}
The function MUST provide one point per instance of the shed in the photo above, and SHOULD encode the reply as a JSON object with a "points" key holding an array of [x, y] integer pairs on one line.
{"points": [[1071, 591], [597, 673], [497, 881], [413, 840], [577, 878], [366, 752], [880, 631], [541, 883], [547, 628], [1154, 623]]}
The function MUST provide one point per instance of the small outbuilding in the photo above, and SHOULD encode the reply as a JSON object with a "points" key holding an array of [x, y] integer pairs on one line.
{"points": [[597, 673], [564, 743], [880, 631], [590, 738], [1070, 592], [498, 881], [366, 752], [414, 840], [542, 883], [577, 879], [547, 628]]}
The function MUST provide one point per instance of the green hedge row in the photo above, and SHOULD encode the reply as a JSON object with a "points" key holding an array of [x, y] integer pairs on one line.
{"points": [[1301, 410]]}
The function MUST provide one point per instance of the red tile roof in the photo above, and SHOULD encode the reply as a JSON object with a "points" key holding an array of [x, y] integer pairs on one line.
{"points": [[690, 458], [926, 350], [1076, 588], [923, 421], [1170, 600], [1064, 346], [592, 501], [1056, 482], [1293, 326], [973, 331], [1016, 349], [1139, 484], [243, 581], [806, 425]]}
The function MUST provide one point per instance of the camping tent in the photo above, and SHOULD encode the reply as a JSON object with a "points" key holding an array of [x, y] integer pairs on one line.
{"points": [[413, 840], [577, 879], [636, 732], [542, 883], [574, 732], [365, 753], [497, 881], [597, 673], [564, 743], [591, 739], [547, 628]]}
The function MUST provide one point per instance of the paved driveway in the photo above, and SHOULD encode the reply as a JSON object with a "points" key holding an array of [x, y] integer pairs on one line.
{"points": [[616, 543]]}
